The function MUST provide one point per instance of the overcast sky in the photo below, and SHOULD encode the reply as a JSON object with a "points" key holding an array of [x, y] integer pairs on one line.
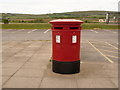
{"points": [[55, 6]]}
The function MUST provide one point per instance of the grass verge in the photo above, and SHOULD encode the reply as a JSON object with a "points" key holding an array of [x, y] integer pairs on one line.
{"points": [[99, 26], [48, 26]]}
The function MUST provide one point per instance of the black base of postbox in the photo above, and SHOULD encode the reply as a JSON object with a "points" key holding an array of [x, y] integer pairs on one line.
{"points": [[66, 67]]}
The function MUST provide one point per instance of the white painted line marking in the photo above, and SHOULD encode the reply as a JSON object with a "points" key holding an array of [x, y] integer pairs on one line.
{"points": [[94, 31], [110, 31], [18, 30], [95, 41], [111, 45], [100, 52], [114, 32], [46, 31], [108, 51], [32, 31], [111, 56]]}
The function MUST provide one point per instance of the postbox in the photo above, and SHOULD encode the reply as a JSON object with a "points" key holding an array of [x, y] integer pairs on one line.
{"points": [[66, 45]]}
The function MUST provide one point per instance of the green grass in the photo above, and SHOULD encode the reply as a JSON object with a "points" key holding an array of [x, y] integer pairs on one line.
{"points": [[98, 26], [26, 26], [48, 26]]}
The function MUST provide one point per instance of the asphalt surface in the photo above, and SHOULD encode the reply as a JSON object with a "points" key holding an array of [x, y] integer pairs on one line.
{"points": [[26, 55], [36, 34]]}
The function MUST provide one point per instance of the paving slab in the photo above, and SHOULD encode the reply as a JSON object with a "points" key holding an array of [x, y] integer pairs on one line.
{"points": [[30, 67], [8, 71], [95, 83], [92, 71], [35, 65], [54, 80], [23, 72], [17, 59], [115, 81], [10, 44], [5, 78], [12, 64], [25, 53], [23, 82], [49, 82]]}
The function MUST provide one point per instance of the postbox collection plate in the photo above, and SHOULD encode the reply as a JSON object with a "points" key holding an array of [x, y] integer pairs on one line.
{"points": [[57, 38], [74, 39]]}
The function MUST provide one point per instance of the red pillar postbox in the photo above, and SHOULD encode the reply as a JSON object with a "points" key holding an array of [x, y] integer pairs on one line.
{"points": [[66, 45]]}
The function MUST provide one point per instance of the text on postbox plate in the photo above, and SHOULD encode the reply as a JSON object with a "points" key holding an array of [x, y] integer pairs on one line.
{"points": [[74, 39], [57, 38]]}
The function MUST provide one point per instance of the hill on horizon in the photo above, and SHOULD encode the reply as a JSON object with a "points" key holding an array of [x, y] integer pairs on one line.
{"points": [[65, 14], [82, 15]]}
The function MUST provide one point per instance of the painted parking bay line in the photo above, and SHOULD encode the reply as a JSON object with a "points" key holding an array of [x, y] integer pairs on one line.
{"points": [[114, 32], [94, 31], [108, 51], [112, 56], [100, 52], [111, 45], [17, 31], [110, 31], [46, 31], [32, 31]]}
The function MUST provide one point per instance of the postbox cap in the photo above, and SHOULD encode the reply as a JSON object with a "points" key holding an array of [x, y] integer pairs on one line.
{"points": [[66, 21]]}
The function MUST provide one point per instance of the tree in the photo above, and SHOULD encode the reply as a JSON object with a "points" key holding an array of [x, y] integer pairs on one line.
{"points": [[5, 20]]}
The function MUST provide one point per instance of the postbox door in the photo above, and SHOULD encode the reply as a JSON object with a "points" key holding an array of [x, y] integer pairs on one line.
{"points": [[66, 45]]}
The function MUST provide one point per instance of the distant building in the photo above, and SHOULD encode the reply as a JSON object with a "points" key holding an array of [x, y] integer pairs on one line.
{"points": [[112, 17], [101, 20]]}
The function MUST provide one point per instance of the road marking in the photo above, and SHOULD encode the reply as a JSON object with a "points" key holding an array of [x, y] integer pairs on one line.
{"points": [[111, 45], [114, 32], [103, 46], [108, 51], [46, 31], [100, 52], [91, 30], [17, 31], [111, 56], [94, 31], [32, 31], [97, 41], [108, 30]]}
